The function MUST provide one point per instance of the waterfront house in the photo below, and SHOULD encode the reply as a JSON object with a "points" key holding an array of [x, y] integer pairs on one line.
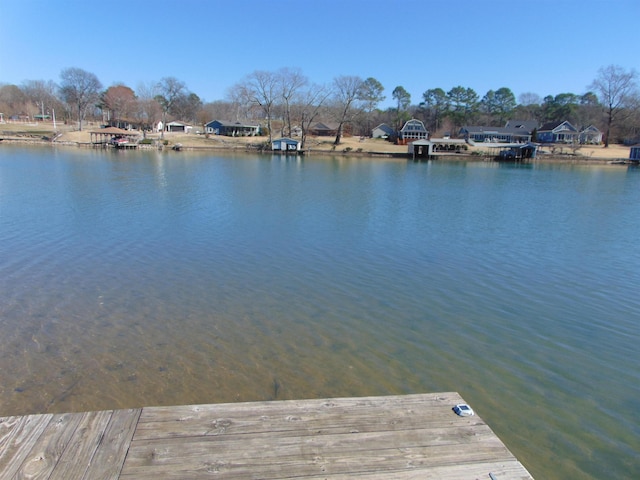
{"points": [[480, 134], [558, 132], [285, 145], [590, 136], [515, 131], [231, 129], [382, 131], [321, 129], [412, 130]]}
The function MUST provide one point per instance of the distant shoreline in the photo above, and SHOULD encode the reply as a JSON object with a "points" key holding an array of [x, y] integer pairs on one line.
{"points": [[463, 157], [349, 147]]}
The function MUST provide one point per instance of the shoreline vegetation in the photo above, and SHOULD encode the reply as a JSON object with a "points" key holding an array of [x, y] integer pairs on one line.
{"points": [[44, 134]]}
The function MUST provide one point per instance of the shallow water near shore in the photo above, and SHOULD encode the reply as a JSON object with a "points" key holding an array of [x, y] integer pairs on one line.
{"points": [[163, 278]]}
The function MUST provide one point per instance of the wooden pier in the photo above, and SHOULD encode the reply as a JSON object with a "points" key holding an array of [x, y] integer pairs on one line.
{"points": [[393, 437]]}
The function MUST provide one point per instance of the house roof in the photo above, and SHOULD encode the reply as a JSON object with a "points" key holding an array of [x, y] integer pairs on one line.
{"points": [[113, 131], [324, 126], [551, 126], [476, 129], [526, 125], [231, 124], [414, 121], [287, 140], [385, 128]]}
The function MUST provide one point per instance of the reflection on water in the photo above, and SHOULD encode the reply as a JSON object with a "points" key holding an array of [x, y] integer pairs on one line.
{"points": [[133, 278]]}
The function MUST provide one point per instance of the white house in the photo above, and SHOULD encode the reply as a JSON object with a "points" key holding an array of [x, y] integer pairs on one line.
{"points": [[590, 135]]}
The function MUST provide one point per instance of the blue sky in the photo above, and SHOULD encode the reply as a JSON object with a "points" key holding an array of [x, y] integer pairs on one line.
{"points": [[541, 46]]}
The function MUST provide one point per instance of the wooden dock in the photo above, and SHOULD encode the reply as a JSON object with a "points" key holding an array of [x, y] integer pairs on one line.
{"points": [[392, 437]]}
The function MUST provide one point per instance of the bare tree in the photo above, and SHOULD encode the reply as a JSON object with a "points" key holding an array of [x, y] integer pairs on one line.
{"points": [[238, 101], [12, 99], [261, 88], [618, 90], [43, 95], [529, 107], [148, 110], [529, 98], [170, 89], [80, 89], [221, 110], [311, 104], [347, 92], [291, 81]]}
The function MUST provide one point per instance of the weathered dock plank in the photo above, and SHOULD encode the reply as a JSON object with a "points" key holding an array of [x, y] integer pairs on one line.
{"points": [[107, 462], [371, 438], [49, 447], [18, 436], [312, 415], [81, 448]]}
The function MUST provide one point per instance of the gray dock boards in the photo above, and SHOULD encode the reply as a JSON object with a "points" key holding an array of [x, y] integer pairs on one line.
{"points": [[400, 437]]}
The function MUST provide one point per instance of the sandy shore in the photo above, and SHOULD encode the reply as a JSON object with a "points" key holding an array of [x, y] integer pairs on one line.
{"points": [[350, 145]]}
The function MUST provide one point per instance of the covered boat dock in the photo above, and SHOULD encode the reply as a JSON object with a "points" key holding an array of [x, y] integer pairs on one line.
{"points": [[511, 152], [436, 146], [115, 137]]}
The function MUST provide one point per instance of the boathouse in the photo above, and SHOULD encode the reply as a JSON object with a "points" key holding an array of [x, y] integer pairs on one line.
{"points": [[285, 145], [436, 146], [634, 154]]}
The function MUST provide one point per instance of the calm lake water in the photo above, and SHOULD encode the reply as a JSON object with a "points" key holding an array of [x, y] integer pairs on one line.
{"points": [[149, 278]]}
